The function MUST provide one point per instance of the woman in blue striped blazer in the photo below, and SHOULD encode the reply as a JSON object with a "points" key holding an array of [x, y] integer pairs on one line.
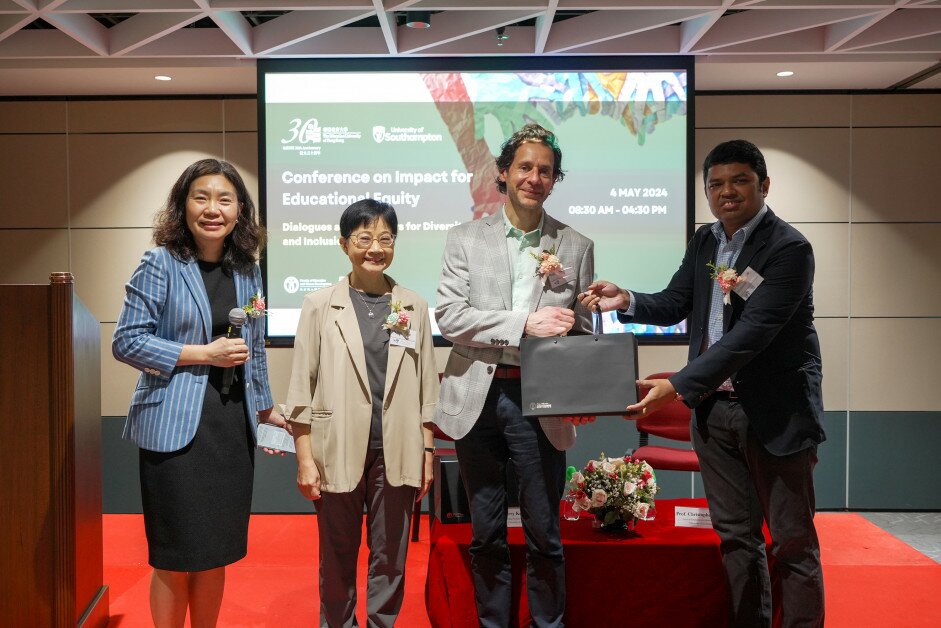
{"points": [[196, 434]]}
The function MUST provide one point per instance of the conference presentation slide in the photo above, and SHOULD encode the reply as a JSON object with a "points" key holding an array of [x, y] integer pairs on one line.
{"points": [[426, 142]]}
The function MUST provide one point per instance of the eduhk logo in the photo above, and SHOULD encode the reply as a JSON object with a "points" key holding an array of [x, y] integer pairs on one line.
{"points": [[303, 132]]}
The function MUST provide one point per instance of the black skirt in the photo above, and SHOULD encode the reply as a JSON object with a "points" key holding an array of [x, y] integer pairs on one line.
{"points": [[197, 500]]}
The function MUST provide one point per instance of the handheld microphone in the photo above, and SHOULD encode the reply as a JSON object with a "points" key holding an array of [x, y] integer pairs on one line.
{"points": [[237, 318]]}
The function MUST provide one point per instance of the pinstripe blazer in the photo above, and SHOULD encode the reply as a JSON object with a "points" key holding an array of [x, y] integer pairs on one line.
{"points": [[166, 307], [473, 312]]}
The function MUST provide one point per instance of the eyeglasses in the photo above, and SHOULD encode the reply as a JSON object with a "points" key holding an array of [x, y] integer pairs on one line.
{"points": [[364, 240]]}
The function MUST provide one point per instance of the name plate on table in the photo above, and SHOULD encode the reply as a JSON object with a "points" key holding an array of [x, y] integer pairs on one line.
{"points": [[689, 517], [513, 517]]}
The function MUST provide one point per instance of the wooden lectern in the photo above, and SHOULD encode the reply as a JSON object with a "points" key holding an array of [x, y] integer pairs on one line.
{"points": [[50, 458]]}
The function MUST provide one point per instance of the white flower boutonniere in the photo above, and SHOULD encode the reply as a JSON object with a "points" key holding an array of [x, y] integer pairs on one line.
{"points": [[727, 278]]}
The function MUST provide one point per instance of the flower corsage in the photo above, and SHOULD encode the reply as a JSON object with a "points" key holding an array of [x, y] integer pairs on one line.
{"points": [[549, 263], [256, 306], [398, 318], [727, 278]]}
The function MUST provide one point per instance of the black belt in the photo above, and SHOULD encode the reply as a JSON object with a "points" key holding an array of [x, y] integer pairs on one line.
{"points": [[506, 372], [725, 395]]}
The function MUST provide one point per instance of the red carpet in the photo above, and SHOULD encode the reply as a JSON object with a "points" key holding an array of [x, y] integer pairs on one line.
{"points": [[274, 586], [871, 578], [874, 579]]}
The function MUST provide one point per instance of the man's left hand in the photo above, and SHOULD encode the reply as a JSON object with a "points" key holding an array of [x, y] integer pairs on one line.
{"points": [[660, 394]]}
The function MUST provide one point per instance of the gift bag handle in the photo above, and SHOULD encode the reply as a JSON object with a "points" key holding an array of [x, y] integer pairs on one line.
{"points": [[597, 328]]}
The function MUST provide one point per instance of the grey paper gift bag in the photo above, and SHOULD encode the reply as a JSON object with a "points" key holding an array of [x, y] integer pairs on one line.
{"points": [[585, 374]]}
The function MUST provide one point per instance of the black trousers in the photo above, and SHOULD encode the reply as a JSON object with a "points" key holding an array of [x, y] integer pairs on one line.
{"points": [[503, 436], [746, 485]]}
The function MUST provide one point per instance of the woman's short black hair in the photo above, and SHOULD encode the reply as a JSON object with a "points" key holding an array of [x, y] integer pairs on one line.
{"points": [[529, 133], [241, 247], [737, 152], [366, 212]]}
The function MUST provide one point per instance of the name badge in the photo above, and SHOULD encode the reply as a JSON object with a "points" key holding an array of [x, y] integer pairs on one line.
{"points": [[398, 340], [748, 281], [560, 279]]}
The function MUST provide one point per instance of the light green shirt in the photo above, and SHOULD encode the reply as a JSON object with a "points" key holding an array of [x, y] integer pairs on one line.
{"points": [[520, 250]]}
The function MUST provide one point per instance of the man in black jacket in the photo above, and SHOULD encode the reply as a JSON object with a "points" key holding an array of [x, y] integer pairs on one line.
{"points": [[753, 380]]}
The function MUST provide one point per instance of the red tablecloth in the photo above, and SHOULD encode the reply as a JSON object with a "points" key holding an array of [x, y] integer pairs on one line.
{"points": [[657, 575]]}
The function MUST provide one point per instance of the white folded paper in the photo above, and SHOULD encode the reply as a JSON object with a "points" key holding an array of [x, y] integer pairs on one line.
{"points": [[274, 437]]}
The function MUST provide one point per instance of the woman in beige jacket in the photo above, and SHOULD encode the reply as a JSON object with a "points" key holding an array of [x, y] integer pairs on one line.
{"points": [[362, 395]]}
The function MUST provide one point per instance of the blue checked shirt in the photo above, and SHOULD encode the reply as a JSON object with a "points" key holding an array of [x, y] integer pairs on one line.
{"points": [[727, 252]]}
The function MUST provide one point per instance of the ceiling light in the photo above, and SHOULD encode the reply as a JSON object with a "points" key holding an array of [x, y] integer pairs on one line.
{"points": [[162, 77], [418, 19], [784, 73], [501, 35]]}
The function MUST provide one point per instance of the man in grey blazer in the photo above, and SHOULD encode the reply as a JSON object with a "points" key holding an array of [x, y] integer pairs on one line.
{"points": [[492, 294]]}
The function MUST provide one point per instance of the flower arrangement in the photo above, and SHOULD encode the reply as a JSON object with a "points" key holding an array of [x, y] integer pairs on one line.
{"points": [[256, 306], [549, 263], [397, 320], [617, 491], [727, 278]]}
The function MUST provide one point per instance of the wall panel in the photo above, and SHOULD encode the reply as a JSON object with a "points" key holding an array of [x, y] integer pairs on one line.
{"points": [[241, 150], [830, 472], [808, 169], [33, 116], [834, 351], [145, 116], [34, 191], [773, 110], [241, 114], [896, 269], [893, 461], [830, 242], [661, 358], [122, 180], [279, 371], [896, 110], [894, 364], [118, 380], [101, 285], [30, 255], [890, 174]]}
